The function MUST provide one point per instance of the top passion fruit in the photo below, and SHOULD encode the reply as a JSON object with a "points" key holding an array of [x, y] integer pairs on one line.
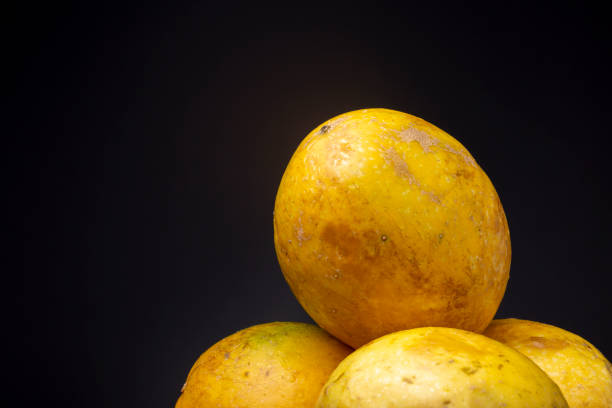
{"points": [[384, 222]]}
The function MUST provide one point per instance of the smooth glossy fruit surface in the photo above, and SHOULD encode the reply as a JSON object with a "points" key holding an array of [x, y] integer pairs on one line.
{"points": [[384, 222], [438, 367], [274, 365], [579, 369]]}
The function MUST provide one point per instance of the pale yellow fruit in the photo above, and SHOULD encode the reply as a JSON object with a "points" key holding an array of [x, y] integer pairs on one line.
{"points": [[579, 369], [438, 367], [274, 365], [384, 222]]}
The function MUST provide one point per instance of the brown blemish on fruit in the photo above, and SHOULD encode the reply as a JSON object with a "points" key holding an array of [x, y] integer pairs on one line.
{"points": [[341, 237], [419, 136], [383, 238], [226, 355], [427, 141], [499, 367], [468, 175], [407, 380], [415, 272], [446, 402], [393, 158], [546, 343], [324, 129], [246, 373], [458, 290]]}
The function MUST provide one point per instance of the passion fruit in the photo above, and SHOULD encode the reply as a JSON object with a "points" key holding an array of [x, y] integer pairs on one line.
{"points": [[384, 222], [579, 369], [438, 367], [273, 365]]}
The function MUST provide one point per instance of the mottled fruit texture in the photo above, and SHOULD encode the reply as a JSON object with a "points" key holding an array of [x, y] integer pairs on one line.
{"points": [[579, 369], [273, 365], [384, 222], [438, 367]]}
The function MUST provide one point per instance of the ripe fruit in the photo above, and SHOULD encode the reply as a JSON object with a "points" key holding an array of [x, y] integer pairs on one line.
{"points": [[384, 222], [438, 367], [579, 369], [274, 365]]}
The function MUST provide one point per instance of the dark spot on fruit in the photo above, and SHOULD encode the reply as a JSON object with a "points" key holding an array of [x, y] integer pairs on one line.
{"points": [[499, 367], [324, 128], [383, 238], [469, 370], [341, 237], [407, 380], [267, 373], [465, 173], [226, 355], [451, 361], [446, 402], [246, 373]]}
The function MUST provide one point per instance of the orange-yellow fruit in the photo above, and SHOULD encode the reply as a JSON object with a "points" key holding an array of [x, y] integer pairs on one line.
{"points": [[384, 222], [438, 367], [273, 365], [579, 369]]}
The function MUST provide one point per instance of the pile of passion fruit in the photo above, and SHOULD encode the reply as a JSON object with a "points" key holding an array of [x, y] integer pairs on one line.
{"points": [[395, 242]]}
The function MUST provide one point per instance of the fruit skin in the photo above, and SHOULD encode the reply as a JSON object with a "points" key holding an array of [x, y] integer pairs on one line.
{"points": [[579, 369], [438, 367], [383, 222], [273, 365]]}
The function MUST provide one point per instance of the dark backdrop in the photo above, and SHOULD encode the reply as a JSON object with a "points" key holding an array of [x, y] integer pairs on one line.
{"points": [[151, 139]]}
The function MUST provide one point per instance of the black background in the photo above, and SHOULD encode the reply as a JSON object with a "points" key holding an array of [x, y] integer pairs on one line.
{"points": [[151, 139]]}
